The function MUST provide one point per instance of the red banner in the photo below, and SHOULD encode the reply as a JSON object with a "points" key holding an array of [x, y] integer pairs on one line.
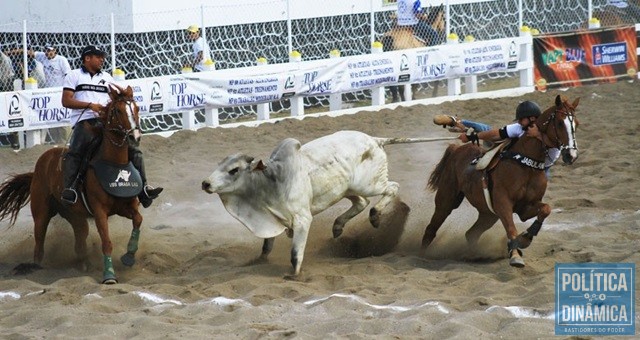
{"points": [[580, 58]]}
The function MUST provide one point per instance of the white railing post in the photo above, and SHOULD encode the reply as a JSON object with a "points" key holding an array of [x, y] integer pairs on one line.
{"points": [[335, 99], [263, 109], [526, 57], [471, 81], [113, 43], [453, 85], [189, 116], [297, 102], [32, 137], [377, 93]]}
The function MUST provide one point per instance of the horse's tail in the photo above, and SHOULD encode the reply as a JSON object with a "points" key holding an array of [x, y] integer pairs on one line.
{"points": [[436, 176], [14, 194]]}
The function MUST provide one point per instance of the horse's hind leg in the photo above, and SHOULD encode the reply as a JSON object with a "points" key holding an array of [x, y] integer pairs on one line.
{"points": [[389, 193], [42, 213], [80, 232], [446, 201], [483, 223], [358, 204], [542, 211]]}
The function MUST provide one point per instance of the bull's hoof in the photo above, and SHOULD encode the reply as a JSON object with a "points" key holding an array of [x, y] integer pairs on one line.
{"points": [[524, 240], [517, 262], [374, 217], [128, 259], [25, 268], [337, 232]]}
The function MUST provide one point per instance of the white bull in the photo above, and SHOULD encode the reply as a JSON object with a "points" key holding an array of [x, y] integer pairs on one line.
{"points": [[298, 182]]}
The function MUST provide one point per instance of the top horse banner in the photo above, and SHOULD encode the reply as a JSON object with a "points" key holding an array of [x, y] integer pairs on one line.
{"points": [[594, 56], [42, 108]]}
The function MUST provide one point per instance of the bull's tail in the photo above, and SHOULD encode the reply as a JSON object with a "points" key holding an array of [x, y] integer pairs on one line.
{"points": [[387, 141], [14, 194], [436, 177]]}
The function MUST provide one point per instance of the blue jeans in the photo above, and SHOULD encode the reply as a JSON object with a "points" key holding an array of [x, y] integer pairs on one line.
{"points": [[475, 125]]}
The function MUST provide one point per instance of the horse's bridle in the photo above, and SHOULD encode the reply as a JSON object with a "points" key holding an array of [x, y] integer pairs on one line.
{"points": [[120, 127], [552, 117]]}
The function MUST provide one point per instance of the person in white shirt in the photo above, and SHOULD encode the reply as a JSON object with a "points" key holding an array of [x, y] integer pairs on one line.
{"points": [[200, 49], [86, 92], [56, 66]]}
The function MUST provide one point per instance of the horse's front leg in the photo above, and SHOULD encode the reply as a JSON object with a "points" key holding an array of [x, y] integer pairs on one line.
{"points": [[108, 273], [541, 211], [504, 211], [129, 258]]}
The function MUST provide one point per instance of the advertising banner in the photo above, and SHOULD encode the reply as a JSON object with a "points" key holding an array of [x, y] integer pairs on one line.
{"points": [[588, 57], [42, 108]]}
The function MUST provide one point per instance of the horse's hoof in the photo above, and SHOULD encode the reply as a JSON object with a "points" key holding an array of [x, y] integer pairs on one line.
{"points": [[524, 240], [109, 281], [25, 268], [516, 261], [128, 259]]}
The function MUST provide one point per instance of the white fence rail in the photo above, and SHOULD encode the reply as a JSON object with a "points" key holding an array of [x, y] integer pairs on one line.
{"points": [[33, 110]]}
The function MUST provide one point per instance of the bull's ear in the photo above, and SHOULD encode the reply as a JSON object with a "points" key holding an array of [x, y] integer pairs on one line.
{"points": [[259, 166], [576, 102]]}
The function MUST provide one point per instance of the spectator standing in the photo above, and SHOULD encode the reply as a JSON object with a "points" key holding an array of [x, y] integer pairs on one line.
{"points": [[200, 51], [56, 66]]}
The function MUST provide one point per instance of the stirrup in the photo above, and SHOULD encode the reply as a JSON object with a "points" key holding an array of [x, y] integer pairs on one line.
{"points": [[69, 196]]}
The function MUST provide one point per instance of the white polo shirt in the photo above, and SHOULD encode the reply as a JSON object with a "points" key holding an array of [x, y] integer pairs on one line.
{"points": [[54, 69], [87, 88]]}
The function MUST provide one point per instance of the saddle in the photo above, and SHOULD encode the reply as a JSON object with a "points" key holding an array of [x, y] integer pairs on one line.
{"points": [[119, 180], [489, 160]]}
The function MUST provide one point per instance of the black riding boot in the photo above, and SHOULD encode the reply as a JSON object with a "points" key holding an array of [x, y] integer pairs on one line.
{"points": [[70, 166], [148, 193]]}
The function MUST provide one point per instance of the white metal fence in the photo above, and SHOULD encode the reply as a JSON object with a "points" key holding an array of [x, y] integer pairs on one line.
{"points": [[154, 43]]}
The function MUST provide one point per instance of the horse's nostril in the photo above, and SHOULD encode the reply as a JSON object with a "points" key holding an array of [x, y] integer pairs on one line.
{"points": [[205, 185]]}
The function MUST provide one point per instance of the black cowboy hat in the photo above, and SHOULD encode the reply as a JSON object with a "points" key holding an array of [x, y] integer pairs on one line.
{"points": [[92, 50]]}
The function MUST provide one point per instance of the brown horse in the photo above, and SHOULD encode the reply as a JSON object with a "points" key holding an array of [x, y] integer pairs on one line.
{"points": [[400, 38], [44, 185], [513, 183]]}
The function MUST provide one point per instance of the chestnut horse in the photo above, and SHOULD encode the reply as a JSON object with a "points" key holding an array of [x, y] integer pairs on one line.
{"points": [[44, 185], [516, 181]]}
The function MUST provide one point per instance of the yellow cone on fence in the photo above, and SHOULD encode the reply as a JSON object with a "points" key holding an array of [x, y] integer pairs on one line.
{"points": [[295, 56], [118, 74], [334, 53], [594, 23], [534, 32], [469, 38], [452, 38], [30, 84], [376, 47], [262, 61], [187, 69], [209, 65]]}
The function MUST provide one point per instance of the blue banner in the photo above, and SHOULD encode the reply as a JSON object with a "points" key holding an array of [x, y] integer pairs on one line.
{"points": [[595, 299]]}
